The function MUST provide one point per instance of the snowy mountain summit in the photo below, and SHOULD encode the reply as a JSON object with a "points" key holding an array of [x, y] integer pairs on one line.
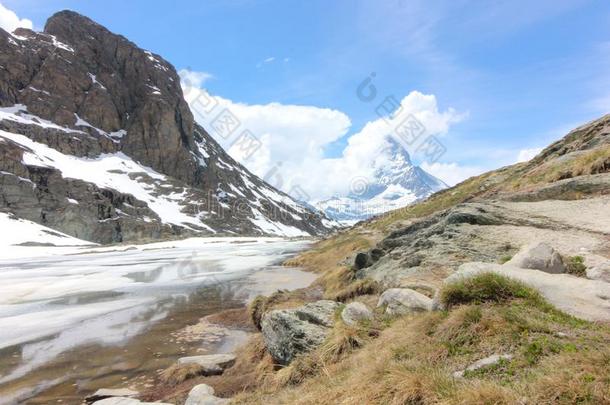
{"points": [[97, 142], [395, 182]]}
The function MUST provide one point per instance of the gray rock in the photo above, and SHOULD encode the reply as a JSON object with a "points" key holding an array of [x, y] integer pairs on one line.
{"points": [[212, 364], [203, 394], [355, 312], [486, 362], [126, 401], [538, 256], [599, 272], [104, 393], [290, 332], [400, 301]]}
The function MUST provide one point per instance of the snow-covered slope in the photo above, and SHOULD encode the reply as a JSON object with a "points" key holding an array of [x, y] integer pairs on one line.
{"points": [[17, 231], [395, 183], [98, 142]]}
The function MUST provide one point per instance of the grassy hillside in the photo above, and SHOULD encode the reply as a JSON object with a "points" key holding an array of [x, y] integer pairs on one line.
{"points": [[556, 359]]}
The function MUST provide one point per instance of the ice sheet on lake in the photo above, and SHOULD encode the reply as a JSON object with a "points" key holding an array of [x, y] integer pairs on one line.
{"points": [[107, 295]]}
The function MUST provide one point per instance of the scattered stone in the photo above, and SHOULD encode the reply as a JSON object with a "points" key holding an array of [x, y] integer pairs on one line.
{"points": [[126, 401], [538, 256], [362, 261], [212, 364], [355, 312], [104, 393], [367, 259], [400, 301], [577, 296], [290, 332], [483, 363], [203, 394]]}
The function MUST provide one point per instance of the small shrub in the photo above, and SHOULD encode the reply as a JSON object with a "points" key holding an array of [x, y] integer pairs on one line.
{"points": [[504, 259], [178, 373], [257, 310], [540, 347], [361, 287], [486, 287], [575, 265]]}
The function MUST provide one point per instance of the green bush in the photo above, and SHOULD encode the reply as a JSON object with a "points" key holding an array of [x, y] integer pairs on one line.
{"points": [[575, 265], [486, 287], [505, 258]]}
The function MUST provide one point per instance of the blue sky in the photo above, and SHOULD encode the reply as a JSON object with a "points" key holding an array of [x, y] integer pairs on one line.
{"points": [[519, 75]]}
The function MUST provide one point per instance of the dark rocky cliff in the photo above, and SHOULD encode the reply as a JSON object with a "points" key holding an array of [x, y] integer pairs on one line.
{"points": [[86, 92]]}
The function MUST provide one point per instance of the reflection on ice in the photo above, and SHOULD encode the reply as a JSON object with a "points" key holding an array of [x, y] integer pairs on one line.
{"points": [[49, 305]]}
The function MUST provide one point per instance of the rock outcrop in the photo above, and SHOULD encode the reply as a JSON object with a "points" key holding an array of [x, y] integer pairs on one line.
{"points": [[577, 296], [77, 102], [290, 332]]}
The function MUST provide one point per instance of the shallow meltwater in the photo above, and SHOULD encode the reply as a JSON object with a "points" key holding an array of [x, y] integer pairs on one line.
{"points": [[97, 318]]}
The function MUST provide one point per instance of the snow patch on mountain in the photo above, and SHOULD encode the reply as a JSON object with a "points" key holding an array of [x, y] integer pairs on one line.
{"points": [[396, 182]]}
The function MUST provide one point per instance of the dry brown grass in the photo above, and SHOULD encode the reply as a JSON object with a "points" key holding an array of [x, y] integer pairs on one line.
{"points": [[592, 161], [354, 289], [178, 373], [412, 361]]}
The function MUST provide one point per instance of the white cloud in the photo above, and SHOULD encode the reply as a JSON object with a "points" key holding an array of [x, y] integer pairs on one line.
{"points": [[10, 22], [265, 61], [293, 138], [191, 78], [527, 154], [452, 173]]}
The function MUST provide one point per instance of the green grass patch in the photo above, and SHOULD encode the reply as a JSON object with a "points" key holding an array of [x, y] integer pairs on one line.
{"points": [[576, 265], [488, 287]]}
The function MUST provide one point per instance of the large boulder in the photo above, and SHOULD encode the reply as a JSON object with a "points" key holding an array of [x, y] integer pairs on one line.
{"points": [[577, 296], [290, 332], [203, 394], [400, 301], [538, 256], [355, 312], [211, 364]]}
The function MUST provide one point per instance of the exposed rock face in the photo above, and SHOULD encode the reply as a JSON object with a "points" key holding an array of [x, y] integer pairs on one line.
{"points": [[400, 301], [538, 256], [290, 332], [203, 394], [88, 93], [577, 296], [212, 364], [355, 312]]}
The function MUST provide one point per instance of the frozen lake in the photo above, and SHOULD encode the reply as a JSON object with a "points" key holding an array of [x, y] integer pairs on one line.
{"points": [[52, 304]]}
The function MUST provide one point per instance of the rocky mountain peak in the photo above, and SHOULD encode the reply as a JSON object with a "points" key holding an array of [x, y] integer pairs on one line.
{"points": [[84, 91], [395, 183]]}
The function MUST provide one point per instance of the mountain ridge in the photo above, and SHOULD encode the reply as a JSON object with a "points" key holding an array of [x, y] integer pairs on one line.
{"points": [[76, 99]]}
